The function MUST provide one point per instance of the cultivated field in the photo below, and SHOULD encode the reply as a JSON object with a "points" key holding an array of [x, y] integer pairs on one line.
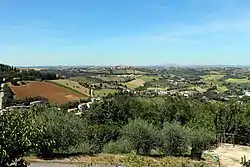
{"points": [[112, 78], [88, 80], [213, 78], [135, 83], [104, 92], [140, 81], [73, 85], [53, 93], [222, 89], [238, 81], [148, 78]]}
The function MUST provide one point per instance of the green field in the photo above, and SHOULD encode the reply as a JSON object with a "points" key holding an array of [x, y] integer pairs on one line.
{"points": [[140, 81], [214, 72], [135, 83], [213, 77], [88, 80], [104, 92], [146, 78], [238, 81], [72, 85], [152, 88], [199, 89], [113, 78], [222, 89]]}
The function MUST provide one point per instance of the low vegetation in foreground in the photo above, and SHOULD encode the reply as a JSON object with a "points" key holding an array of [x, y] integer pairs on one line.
{"points": [[124, 124], [144, 117]]}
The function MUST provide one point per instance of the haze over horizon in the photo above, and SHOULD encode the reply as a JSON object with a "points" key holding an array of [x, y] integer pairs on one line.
{"points": [[131, 32]]}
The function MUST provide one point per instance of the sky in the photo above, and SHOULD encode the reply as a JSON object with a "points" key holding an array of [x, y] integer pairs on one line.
{"points": [[126, 32]]}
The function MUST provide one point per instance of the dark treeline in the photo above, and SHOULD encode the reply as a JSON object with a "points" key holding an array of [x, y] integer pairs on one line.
{"points": [[122, 123], [9, 73]]}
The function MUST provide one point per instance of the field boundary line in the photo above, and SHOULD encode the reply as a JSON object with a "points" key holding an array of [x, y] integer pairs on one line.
{"points": [[66, 87]]}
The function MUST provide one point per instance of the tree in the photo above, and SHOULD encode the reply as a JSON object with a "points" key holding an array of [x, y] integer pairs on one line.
{"points": [[175, 139], [200, 141], [142, 136], [65, 129], [19, 134]]}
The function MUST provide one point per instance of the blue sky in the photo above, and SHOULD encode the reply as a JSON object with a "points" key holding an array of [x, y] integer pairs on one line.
{"points": [[128, 32]]}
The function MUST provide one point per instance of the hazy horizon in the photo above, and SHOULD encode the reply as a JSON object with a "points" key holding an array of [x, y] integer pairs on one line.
{"points": [[132, 32]]}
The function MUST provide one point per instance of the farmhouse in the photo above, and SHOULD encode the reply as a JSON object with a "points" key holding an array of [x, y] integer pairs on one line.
{"points": [[246, 93]]}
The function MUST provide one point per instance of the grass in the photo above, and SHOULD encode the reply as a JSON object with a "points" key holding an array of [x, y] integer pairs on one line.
{"points": [[146, 78], [117, 160], [104, 92], [140, 81], [152, 88], [199, 89], [110, 78], [88, 80], [71, 85], [213, 77], [238, 81], [222, 89], [135, 83], [161, 82], [214, 72]]}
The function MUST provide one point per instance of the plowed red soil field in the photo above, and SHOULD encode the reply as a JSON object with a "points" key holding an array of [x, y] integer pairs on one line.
{"points": [[47, 90]]}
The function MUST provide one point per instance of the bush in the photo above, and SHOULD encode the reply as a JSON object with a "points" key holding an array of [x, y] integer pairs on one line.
{"points": [[120, 146], [67, 131], [175, 140], [142, 136], [201, 139], [19, 135]]}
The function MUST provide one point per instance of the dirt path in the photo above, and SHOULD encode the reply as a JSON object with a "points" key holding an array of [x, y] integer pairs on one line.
{"points": [[231, 156]]}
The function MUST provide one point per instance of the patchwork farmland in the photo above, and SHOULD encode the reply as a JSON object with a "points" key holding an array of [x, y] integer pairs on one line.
{"points": [[72, 85], [50, 91]]}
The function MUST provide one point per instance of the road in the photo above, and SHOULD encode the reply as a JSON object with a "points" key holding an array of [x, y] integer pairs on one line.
{"points": [[1, 97]]}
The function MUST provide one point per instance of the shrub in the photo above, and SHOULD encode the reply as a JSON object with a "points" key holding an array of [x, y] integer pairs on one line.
{"points": [[201, 139], [142, 136], [67, 131], [120, 146], [174, 139], [19, 135]]}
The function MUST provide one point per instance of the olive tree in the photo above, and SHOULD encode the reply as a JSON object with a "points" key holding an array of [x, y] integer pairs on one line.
{"points": [[19, 134], [175, 139], [65, 129], [141, 135]]}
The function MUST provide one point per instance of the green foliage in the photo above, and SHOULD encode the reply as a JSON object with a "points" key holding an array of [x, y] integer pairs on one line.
{"points": [[201, 139], [8, 96], [9, 73], [121, 146], [19, 134], [142, 136], [175, 139], [133, 160], [65, 129]]}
